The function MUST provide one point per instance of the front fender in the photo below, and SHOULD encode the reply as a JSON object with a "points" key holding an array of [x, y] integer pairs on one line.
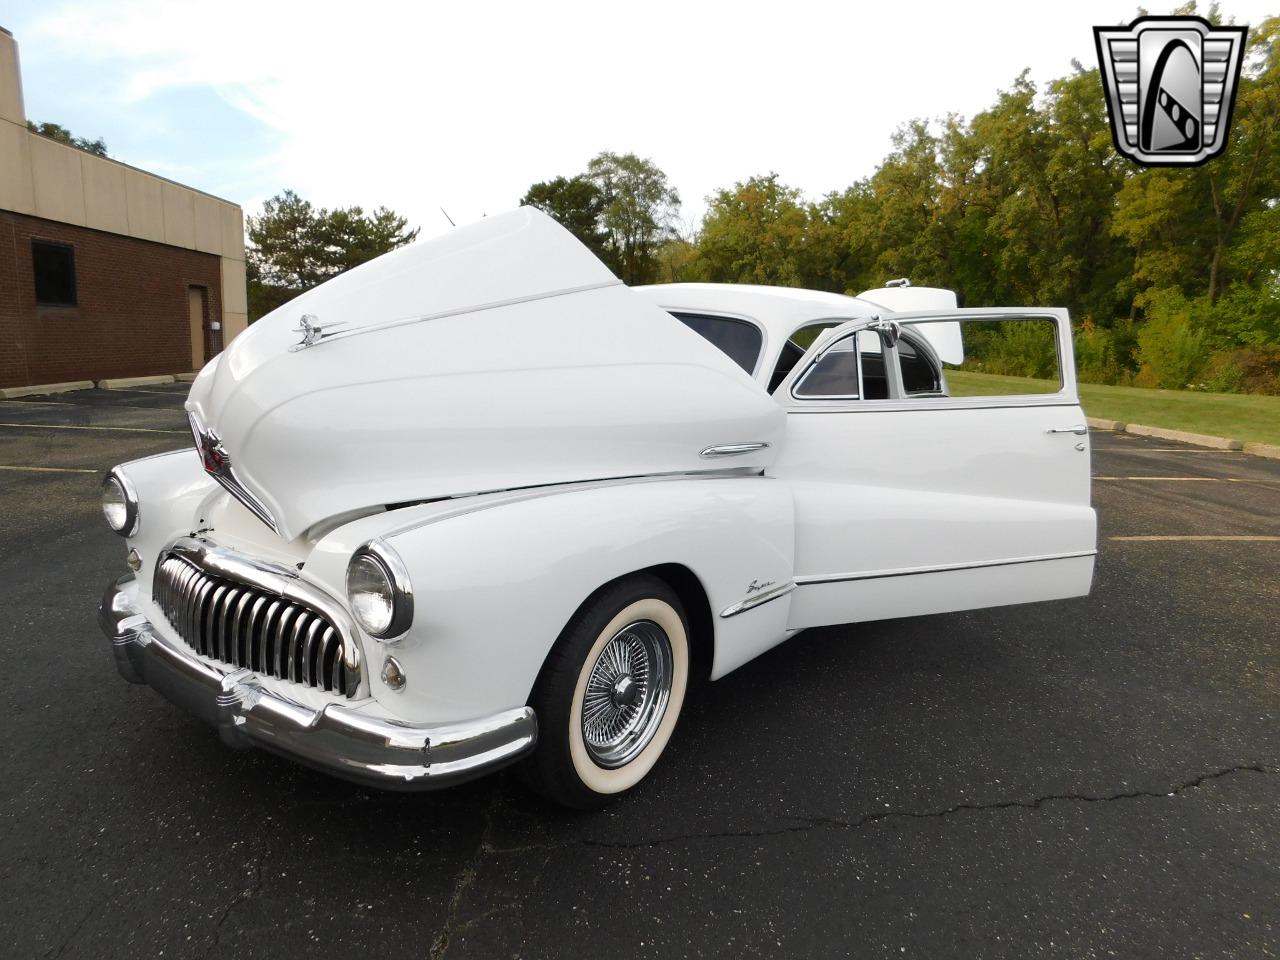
{"points": [[494, 587]]}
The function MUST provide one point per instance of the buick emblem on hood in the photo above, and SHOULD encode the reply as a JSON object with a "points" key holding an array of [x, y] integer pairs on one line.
{"points": [[212, 454], [217, 463]]}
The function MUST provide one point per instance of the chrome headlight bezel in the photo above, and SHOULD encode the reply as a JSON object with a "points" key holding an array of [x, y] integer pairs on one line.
{"points": [[399, 591], [129, 499]]}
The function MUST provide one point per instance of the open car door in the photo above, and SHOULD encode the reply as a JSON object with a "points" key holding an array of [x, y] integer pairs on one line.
{"points": [[940, 461]]}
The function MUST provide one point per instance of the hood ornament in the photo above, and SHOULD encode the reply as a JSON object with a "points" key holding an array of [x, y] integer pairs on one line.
{"points": [[312, 332]]}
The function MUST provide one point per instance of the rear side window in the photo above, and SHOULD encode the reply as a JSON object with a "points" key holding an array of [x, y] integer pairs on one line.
{"points": [[737, 339]]}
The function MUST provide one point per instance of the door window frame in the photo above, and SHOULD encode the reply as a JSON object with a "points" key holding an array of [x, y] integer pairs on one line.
{"points": [[1066, 396]]}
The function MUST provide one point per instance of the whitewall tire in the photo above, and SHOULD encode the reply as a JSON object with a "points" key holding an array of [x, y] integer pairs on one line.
{"points": [[610, 694]]}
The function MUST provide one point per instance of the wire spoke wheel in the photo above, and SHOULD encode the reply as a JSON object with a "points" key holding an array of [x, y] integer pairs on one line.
{"points": [[627, 693]]}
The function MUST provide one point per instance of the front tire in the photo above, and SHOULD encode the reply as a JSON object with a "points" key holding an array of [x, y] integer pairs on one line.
{"points": [[610, 693]]}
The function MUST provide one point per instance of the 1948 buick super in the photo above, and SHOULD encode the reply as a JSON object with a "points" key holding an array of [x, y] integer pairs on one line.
{"points": [[476, 502]]}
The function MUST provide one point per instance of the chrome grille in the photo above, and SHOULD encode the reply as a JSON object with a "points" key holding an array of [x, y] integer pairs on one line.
{"points": [[245, 625]]}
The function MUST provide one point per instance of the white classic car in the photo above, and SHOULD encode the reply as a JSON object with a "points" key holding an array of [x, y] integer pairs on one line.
{"points": [[476, 502]]}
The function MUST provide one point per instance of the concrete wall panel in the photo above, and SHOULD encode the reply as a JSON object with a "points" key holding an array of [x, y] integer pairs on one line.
{"points": [[233, 323], [232, 232], [16, 190], [234, 295], [179, 215], [106, 203], [208, 224], [58, 181], [11, 108], [146, 206]]}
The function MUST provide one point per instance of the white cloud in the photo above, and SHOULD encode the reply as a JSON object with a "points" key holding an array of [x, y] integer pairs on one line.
{"points": [[419, 106]]}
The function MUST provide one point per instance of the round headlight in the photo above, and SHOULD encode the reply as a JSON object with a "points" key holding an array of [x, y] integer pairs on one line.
{"points": [[379, 592], [119, 504]]}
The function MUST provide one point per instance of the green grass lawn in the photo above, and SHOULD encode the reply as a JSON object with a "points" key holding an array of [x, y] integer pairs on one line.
{"points": [[1236, 415]]}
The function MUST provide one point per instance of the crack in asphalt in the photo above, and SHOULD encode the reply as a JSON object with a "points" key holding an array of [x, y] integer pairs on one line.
{"points": [[243, 896], [75, 931], [467, 875], [465, 880], [835, 823]]}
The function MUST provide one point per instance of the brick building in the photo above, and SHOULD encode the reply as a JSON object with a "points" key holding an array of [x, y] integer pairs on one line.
{"points": [[106, 270]]}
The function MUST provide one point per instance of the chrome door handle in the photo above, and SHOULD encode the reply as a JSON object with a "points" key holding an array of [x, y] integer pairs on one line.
{"points": [[732, 449], [1080, 429]]}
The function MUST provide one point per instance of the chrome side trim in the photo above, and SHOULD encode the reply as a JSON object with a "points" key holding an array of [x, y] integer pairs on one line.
{"points": [[938, 403], [467, 503], [942, 568], [280, 581], [492, 305], [217, 464], [356, 743], [732, 449], [742, 606]]}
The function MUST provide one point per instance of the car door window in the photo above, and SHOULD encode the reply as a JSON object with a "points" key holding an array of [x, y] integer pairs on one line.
{"points": [[997, 357], [834, 374], [738, 339], [850, 368], [800, 341]]}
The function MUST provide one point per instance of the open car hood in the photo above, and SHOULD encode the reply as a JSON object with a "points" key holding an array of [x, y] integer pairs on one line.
{"points": [[501, 355]]}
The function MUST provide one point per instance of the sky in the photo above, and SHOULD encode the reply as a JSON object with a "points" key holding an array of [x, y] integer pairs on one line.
{"points": [[461, 106]]}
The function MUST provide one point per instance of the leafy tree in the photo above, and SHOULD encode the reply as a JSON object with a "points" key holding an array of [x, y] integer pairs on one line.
{"points": [[1171, 274], [757, 232], [638, 211], [294, 246], [55, 131], [578, 204], [622, 208]]}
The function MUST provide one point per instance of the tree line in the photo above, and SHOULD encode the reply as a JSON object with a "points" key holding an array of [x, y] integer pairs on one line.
{"points": [[1172, 275]]}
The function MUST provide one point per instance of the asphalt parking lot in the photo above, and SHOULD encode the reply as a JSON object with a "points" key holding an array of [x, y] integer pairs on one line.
{"points": [[1089, 778]]}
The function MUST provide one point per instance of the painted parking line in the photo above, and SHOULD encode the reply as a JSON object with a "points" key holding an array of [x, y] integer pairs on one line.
{"points": [[151, 393], [21, 402], [48, 469], [1249, 538], [67, 426], [1255, 483]]}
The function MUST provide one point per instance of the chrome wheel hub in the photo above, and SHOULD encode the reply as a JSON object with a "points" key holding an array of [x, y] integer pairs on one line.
{"points": [[627, 693]]}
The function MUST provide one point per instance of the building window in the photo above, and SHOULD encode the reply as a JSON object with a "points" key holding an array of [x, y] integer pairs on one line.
{"points": [[55, 270]]}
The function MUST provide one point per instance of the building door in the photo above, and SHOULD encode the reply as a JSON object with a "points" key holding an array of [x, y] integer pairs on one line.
{"points": [[196, 297]]}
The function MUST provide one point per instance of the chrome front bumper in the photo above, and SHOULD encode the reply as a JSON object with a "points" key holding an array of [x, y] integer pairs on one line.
{"points": [[373, 750]]}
